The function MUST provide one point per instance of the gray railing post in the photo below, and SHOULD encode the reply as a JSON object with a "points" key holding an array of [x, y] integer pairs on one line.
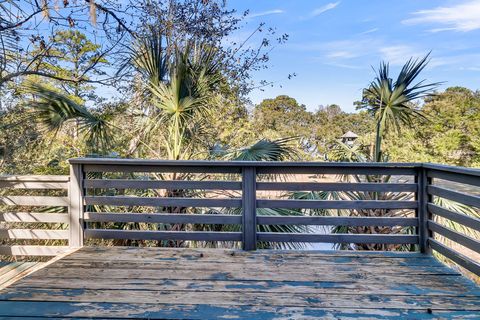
{"points": [[249, 208], [75, 208], [422, 212]]}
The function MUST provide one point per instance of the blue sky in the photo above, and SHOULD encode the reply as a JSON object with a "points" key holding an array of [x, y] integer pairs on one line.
{"points": [[333, 44]]}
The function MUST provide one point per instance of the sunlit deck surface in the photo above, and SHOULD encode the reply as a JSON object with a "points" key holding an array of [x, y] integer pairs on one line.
{"points": [[125, 282]]}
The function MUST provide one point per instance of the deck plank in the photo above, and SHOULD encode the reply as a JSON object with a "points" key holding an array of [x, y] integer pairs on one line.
{"points": [[97, 310], [123, 282]]}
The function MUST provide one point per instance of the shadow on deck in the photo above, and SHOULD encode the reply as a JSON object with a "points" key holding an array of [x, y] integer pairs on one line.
{"points": [[125, 282]]}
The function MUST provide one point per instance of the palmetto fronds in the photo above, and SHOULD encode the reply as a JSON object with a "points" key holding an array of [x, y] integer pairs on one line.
{"points": [[52, 110], [264, 150], [391, 102]]}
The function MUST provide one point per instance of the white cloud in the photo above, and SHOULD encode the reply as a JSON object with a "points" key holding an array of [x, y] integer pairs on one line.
{"points": [[369, 31], [320, 10], [350, 49], [265, 13], [325, 8], [347, 51], [462, 17], [399, 54]]}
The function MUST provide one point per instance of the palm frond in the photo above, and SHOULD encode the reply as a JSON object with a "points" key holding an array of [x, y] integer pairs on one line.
{"points": [[265, 150], [52, 110]]}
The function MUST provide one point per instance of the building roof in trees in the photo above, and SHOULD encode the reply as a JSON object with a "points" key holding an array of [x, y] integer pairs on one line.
{"points": [[350, 134]]}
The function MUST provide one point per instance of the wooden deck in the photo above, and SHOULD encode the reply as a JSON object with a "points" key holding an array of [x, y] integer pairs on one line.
{"points": [[13, 271], [122, 282]]}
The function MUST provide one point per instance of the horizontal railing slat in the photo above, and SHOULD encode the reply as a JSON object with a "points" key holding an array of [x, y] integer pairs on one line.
{"points": [[475, 172], [161, 202], [35, 178], [162, 184], [34, 217], [454, 196], [38, 201], [164, 169], [337, 238], [349, 170], [34, 185], [162, 218], [337, 204], [162, 235], [43, 234], [337, 221], [314, 186], [453, 235], [32, 250], [456, 257], [471, 222], [455, 177]]}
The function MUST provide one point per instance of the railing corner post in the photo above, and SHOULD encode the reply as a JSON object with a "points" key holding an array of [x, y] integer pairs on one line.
{"points": [[75, 208], [249, 208], [422, 212]]}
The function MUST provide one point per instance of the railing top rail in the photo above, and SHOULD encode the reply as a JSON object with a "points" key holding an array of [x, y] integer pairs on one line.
{"points": [[452, 169], [210, 163], [35, 178]]}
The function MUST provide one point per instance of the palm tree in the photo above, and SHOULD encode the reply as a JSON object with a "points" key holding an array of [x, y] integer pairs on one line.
{"points": [[54, 110], [181, 90], [392, 102]]}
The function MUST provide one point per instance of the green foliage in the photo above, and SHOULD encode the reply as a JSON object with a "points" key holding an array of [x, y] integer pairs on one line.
{"points": [[449, 137], [390, 102], [53, 111]]}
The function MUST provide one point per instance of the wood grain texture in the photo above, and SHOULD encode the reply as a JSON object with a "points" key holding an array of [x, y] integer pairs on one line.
{"points": [[127, 282], [162, 218], [162, 184], [37, 201], [34, 234], [161, 202], [34, 217]]}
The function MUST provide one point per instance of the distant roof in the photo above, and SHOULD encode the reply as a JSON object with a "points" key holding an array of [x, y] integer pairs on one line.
{"points": [[350, 134]]}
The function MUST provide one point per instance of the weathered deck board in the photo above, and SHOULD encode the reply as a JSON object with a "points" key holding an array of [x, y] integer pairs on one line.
{"points": [[124, 282]]}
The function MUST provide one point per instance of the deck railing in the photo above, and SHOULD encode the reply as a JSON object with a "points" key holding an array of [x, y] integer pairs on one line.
{"points": [[104, 193], [35, 215]]}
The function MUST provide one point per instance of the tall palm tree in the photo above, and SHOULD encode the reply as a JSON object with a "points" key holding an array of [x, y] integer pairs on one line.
{"points": [[180, 91], [392, 102]]}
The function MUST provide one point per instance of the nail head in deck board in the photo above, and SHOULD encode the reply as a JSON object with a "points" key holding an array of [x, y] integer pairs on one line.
{"points": [[337, 221], [162, 184], [162, 218], [468, 221], [157, 202], [337, 204]]}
